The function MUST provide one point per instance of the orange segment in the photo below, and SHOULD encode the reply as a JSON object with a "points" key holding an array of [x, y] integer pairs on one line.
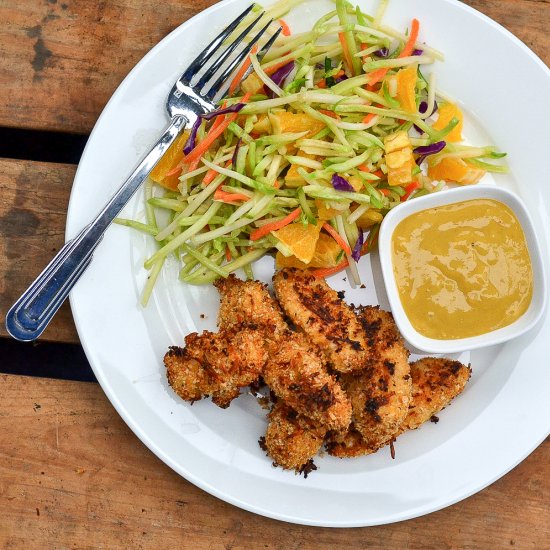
{"points": [[293, 178], [300, 239], [326, 255], [284, 122], [168, 162], [324, 212], [447, 112], [406, 85], [455, 170]]}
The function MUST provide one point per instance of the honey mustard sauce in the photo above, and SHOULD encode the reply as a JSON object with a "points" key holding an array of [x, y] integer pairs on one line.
{"points": [[462, 269]]}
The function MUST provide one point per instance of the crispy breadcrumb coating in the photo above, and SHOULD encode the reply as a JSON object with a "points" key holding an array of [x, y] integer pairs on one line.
{"points": [[376, 396], [291, 440], [248, 304], [347, 445], [296, 375], [380, 394], [216, 364], [436, 382], [328, 322]]}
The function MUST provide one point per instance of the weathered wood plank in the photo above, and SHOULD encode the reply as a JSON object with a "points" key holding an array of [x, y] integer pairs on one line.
{"points": [[72, 475], [33, 209], [62, 59]]}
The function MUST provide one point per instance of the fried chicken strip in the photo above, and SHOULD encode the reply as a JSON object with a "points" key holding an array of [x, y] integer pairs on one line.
{"points": [[294, 372], [327, 321], [291, 440], [216, 364], [248, 304], [297, 376], [435, 383], [380, 394]]}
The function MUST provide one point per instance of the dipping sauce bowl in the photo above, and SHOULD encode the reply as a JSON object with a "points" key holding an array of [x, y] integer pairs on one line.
{"points": [[448, 299]]}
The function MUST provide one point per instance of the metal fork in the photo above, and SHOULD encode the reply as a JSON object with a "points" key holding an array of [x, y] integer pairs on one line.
{"points": [[30, 315]]}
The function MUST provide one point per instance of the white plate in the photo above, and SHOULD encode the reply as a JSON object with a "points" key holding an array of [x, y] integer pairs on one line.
{"points": [[504, 412]]}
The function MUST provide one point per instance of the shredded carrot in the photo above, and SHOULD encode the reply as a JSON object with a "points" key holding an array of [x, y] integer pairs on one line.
{"points": [[286, 29], [219, 119], [345, 49], [209, 177], [413, 38], [240, 73], [408, 49], [276, 67], [179, 167], [368, 118], [269, 227], [365, 168], [409, 189], [331, 114], [336, 236], [223, 196], [376, 77], [327, 271], [227, 254], [213, 134], [176, 170]]}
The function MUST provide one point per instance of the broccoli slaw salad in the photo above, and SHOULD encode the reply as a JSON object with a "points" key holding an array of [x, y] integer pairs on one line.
{"points": [[330, 130]]}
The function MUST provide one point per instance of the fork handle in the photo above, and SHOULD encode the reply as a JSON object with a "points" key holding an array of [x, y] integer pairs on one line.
{"points": [[30, 315]]}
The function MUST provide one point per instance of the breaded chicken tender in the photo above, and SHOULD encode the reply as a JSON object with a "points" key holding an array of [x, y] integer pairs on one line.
{"points": [[380, 394], [248, 304], [436, 382], [348, 444], [297, 376], [325, 319], [291, 440], [216, 364]]}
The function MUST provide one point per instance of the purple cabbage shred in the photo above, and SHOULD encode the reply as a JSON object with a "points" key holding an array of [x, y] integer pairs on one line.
{"points": [[356, 252], [231, 109], [382, 52], [341, 184], [279, 76], [235, 153], [422, 108], [190, 143], [427, 150]]}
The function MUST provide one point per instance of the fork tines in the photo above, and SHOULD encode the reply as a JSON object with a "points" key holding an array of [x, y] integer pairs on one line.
{"points": [[225, 62]]}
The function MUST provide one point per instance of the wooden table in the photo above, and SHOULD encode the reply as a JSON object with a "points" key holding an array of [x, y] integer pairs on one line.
{"points": [[72, 475]]}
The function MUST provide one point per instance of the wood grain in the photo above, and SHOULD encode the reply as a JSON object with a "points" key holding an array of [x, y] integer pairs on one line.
{"points": [[33, 208], [72, 475], [63, 59]]}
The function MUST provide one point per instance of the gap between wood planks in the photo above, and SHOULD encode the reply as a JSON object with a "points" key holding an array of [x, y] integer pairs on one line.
{"points": [[44, 359], [41, 145]]}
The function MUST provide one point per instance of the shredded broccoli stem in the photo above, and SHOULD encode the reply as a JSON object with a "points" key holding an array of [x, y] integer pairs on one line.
{"points": [[323, 121]]}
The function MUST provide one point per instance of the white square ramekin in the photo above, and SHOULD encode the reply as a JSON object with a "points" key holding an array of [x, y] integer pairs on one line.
{"points": [[450, 196]]}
